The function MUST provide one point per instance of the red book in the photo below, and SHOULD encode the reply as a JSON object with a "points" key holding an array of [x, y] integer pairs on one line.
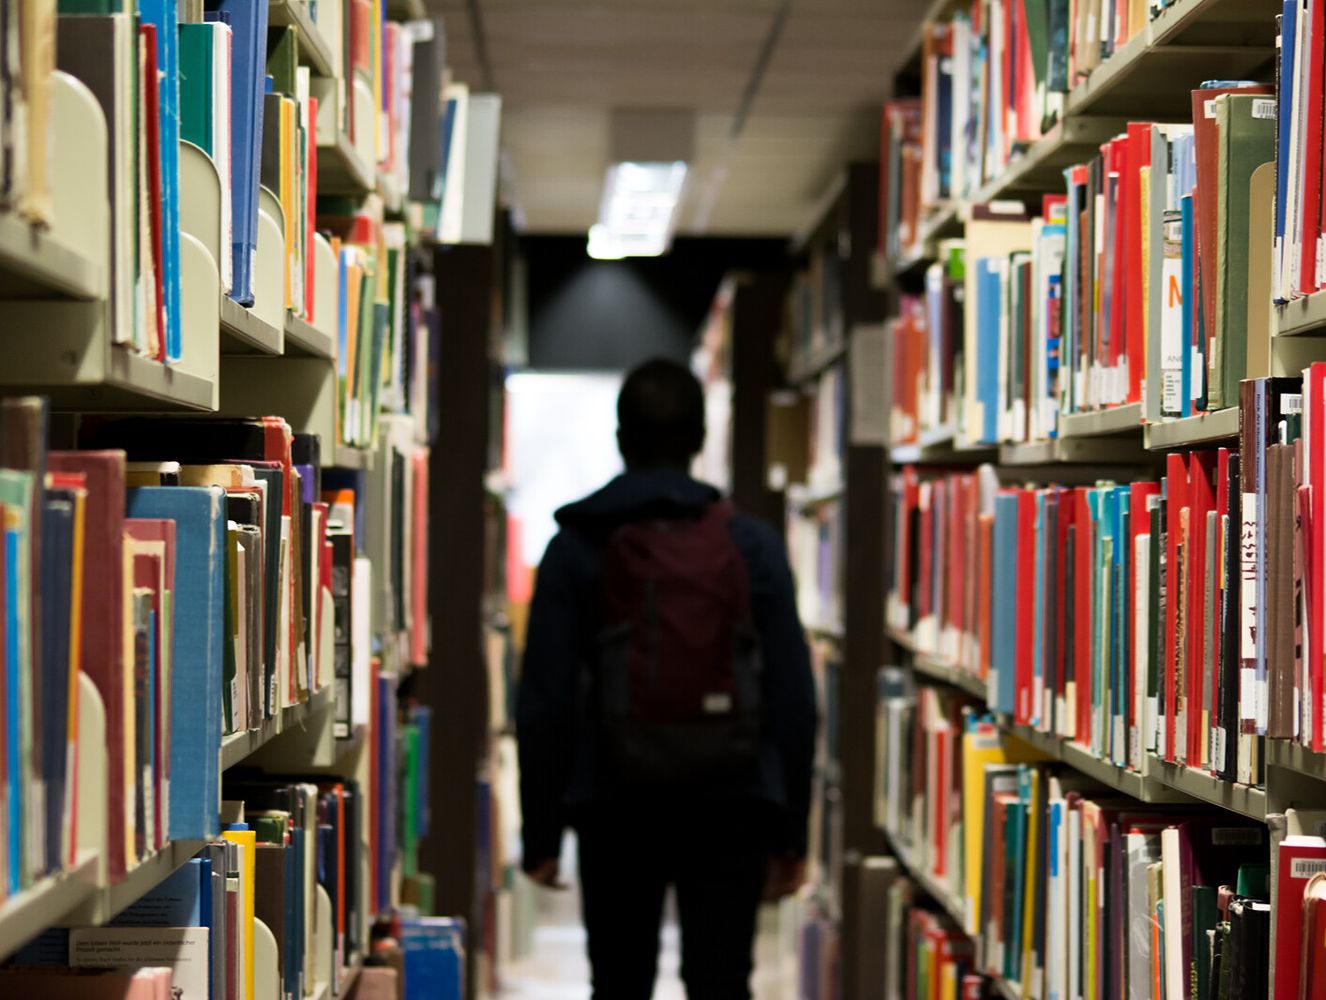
{"points": [[925, 552], [1311, 180], [1176, 481], [1211, 676], [1300, 858], [956, 556], [103, 622], [1028, 112], [147, 41], [1201, 501], [1138, 157], [1083, 549], [1315, 574], [1026, 606], [1206, 140], [941, 738], [1314, 939], [1117, 173]]}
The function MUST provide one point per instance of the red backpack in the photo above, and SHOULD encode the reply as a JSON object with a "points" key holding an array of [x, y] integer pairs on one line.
{"points": [[678, 665]]}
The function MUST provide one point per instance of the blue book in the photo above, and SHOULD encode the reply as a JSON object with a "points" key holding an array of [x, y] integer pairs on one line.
{"points": [[423, 720], [57, 568], [989, 300], [199, 514], [1189, 292], [178, 901], [1285, 127], [944, 129], [163, 14], [1119, 672], [433, 953], [1003, 624], [13, 550], [248, 21]]}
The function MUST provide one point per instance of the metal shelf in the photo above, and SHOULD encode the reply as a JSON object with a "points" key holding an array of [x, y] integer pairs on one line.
{"points": [[802, 370], [1204, 428], [1301, 316], [1116, 420], [313, 48], [341, 171], [940, 446], [104, 903], [1244, 799], [1295, 757], [237, 747], [242, 332], [26, 914], [303, 338], [1074, 450], [34, 266], [132, 383], [347, 457]]}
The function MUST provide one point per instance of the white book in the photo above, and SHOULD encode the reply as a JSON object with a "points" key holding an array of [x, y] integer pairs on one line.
{"points": [[1142, 849], [1176, 979], [1074, 930], [183, 950], [1141, 643], [222, 41]]}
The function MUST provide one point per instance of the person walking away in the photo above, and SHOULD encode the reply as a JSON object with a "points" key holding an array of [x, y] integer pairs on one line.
{"points": [[666, 708]]}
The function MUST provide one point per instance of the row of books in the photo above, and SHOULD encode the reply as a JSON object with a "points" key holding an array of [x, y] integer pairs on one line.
{"points": [[216, 557], [815, 318], [238, 89], [1137, 281], [301, 857], [1071, 890], [1177, 617], [994, 77]]}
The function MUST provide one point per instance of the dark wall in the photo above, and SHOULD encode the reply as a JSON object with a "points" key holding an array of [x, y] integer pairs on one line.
{"points": [[594, 315]]}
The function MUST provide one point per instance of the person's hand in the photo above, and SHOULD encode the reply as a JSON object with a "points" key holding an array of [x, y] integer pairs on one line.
{"points": [[545, 873], [787, 874]]}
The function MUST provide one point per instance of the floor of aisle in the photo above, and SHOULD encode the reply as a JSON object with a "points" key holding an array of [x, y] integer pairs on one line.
{"points": [[558, 970]]}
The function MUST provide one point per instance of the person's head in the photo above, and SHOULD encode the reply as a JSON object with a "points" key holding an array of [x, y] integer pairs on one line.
{"points": [[660, 416]]}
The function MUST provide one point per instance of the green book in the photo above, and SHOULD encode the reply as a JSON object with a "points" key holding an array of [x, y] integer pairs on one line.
{"points": [[1246, 125], [410, 801], [1254, 882], [97, 7], [1038, 36], [197, 73], [270, 826], [283, 60]]}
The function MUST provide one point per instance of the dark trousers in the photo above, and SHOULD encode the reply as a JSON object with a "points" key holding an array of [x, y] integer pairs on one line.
{"points": [[716, 857]]}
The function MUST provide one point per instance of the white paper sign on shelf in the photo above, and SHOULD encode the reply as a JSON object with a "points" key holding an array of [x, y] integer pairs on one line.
{"points": [[869, 396]]}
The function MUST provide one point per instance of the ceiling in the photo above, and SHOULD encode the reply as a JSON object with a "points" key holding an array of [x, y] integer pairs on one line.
{"points": [[562, 65]]}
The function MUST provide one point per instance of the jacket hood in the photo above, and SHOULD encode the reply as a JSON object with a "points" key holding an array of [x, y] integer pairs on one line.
{"points": [[637, 494]]}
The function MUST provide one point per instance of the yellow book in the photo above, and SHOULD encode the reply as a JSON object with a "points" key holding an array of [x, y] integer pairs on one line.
{"points": [[982, 745], [1034, 873], [248, 859]]}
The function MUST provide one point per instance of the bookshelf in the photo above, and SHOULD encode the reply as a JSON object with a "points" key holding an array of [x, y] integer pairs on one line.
{"points": [[316, 541], [832, 329], [1097, 433]]}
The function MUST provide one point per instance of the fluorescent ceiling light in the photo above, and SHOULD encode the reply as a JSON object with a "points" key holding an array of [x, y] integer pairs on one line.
{"points": [[638, 211]]}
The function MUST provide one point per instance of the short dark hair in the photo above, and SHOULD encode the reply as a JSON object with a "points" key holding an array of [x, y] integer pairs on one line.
{"points": [[660, 415]]}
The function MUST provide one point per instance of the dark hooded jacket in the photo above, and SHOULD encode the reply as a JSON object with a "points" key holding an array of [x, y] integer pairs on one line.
{"points": [[559, 776]]}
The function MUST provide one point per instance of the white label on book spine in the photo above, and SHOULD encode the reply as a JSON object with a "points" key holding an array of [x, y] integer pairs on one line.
{"points": [[1264, 107], [1248, 694], [1248, 584], [1219, 741], [1209, 107], [1303, 868]]}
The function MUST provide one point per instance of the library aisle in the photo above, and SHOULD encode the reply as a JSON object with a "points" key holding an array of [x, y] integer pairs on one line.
{"points": [[1008, 324]]}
